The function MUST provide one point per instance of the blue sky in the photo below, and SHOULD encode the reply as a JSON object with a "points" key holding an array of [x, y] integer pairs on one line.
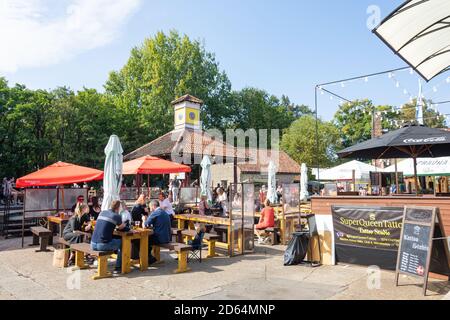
{"points": [[284, 47]]}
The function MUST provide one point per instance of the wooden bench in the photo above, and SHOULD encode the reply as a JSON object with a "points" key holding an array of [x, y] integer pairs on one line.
{"points": [[182, 251], [43, 237], [62, 244], [209, 238], [273, 235], [222, 232], [177, 233], [102, 256]]}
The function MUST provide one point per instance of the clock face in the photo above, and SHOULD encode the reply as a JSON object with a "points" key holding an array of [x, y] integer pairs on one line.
{"points": [[180, 116], [192, 115]]}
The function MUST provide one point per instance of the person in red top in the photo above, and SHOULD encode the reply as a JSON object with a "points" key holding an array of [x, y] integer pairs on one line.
{"points": [[267, 220]]}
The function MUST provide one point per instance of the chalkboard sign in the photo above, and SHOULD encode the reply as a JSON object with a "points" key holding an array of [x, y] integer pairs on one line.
{"points": [[416, 242]]}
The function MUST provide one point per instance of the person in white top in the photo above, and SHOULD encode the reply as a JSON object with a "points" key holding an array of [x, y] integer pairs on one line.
{"points": [[165, 204], [222, 200]]}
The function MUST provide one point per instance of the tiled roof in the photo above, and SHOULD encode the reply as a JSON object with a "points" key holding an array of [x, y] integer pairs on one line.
{"points": [[188, 141], [189, 98], [285, 163]]}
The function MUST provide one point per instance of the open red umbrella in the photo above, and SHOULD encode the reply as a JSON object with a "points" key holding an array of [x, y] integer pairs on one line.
{"points": [[59, 173], [153, 165]]}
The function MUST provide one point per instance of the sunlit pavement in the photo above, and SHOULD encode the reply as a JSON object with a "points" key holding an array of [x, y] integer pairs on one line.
{"points": [[25, 274]]}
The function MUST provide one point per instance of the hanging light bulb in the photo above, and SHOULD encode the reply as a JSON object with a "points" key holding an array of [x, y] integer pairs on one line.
{"points": [[411, 71], [435, 89], [366, 79], [448, 80], [397, 84], [331, 97], [343, 84], [405, 91], [390, 75]]}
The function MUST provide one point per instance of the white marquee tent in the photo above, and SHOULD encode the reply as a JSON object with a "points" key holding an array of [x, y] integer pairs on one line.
{"points": [[344, 172], [425, 167]]}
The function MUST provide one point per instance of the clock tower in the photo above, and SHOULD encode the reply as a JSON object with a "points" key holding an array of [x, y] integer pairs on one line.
{"points": [[187, 112]]}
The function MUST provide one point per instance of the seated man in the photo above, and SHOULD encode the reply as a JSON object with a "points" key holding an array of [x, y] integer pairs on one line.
{"points": [[102, 238], [267, 220], [80, 201], [162, 233]]}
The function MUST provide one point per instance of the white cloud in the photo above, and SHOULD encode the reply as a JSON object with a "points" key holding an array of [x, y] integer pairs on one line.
{"points": [[34, 33]]}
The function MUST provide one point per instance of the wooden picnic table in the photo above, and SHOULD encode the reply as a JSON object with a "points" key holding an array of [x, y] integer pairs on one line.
{"points": [[195, 218], [53, 221], [127, 236]]}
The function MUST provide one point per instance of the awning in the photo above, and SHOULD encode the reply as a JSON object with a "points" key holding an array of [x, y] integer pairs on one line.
{"points": [[425, 167], [153, 165], [344, 172], [419, 32], [59, 173]]}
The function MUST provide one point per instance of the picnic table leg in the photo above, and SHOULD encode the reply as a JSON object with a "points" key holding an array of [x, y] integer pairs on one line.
{"points": [[143, 253], [180, 224], [79, 260], [182, 262], [283, 231], [126, 255], [212, 249], [156, 253], [102, 269], [230, 241]]}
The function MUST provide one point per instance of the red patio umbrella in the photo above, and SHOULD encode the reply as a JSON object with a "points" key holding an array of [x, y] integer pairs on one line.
{"points": [[59, 173], [153, 165]]}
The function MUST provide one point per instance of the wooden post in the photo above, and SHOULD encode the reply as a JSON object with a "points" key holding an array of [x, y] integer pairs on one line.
{"points": [[353, 180], [416, 181], [396, 178]]}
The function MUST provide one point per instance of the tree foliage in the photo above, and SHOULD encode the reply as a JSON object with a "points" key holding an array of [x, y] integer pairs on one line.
{"points": [[299, 142]]}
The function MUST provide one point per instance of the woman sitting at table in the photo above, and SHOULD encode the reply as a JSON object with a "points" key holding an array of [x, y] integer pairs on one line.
{"points": [[79, 221], [94, 208], [140, 209], [203, 207], [267, 220]]}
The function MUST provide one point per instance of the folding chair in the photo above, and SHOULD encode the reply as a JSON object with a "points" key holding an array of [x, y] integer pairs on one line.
{"points": [[196, 252]]}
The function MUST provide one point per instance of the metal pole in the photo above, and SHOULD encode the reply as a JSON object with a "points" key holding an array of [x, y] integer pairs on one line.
{"points": [[317, 136]]}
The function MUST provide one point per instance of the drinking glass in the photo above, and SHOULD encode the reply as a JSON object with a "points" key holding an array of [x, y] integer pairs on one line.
{"points": [[137, 224]]}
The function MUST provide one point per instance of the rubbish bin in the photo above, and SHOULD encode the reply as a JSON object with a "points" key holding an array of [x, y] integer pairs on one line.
{"points": [[297, 249]]}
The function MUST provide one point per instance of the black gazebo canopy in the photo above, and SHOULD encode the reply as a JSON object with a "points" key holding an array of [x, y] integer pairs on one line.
{"points": [[408, 142]]}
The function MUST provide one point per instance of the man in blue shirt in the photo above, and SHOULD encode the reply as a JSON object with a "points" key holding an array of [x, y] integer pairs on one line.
{"points": [[161, 223], [102, 238]]}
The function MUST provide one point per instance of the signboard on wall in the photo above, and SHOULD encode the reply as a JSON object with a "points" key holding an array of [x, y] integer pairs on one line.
{"points": [[367, 235]]}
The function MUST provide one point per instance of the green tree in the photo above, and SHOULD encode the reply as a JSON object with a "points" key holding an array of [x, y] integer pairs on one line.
{"points": [[163, 68], [354, 120], [300, 143], [256, 109], [431, 118]]}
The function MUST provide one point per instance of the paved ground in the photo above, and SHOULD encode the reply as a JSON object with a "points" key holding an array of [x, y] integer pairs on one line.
{"points": [[25, 274]]}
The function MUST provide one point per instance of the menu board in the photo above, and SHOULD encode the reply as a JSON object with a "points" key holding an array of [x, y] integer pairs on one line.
{"points": [[414, 249], [416, 243]]}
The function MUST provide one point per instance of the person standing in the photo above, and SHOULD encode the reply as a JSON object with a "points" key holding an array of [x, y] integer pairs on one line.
{"points": [[102, 238], [175, 189], [162, 232]]}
